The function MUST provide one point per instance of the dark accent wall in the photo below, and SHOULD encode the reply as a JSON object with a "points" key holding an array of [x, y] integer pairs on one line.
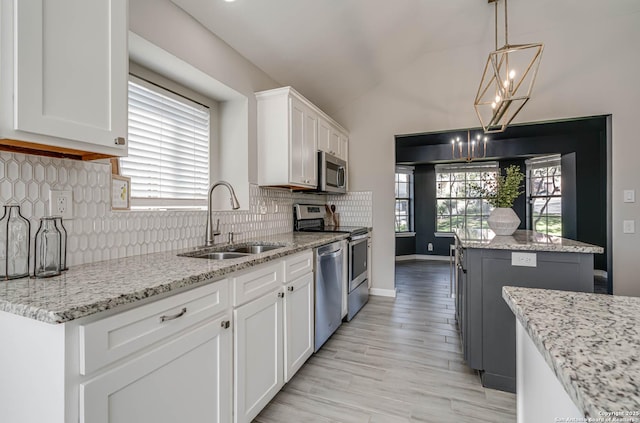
{"points": [[583, 146], [405, 245]]}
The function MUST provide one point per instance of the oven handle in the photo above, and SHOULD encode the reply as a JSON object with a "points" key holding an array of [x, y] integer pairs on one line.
{"points": [[359, 237]]}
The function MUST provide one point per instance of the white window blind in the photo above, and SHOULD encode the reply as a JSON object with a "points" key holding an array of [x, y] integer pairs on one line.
{"points": [[168, 147]]}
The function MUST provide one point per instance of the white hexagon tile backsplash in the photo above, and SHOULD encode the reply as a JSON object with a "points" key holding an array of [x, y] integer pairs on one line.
{"points": [[97, 233]]}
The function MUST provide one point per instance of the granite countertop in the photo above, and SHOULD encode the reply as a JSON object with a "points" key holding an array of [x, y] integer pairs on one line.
{"points": [[590, 341], [523, 240], [91, 288]]}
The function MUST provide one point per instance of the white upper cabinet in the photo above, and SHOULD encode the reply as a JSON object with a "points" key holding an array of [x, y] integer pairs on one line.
{"points": [[287, 140], [331, 139], [291, 130], [64, 69], [303, 129]]}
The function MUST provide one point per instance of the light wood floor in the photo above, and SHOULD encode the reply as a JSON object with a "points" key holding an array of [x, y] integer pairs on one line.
{"points": [[398, 360]]}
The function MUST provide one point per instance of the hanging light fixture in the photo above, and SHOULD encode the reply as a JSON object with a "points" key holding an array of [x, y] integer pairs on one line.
{"points": [[473, 148], [507, 79]]}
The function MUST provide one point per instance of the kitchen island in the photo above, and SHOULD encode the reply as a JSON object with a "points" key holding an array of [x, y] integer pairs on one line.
{"points": [[578, 356], [486, 263]]}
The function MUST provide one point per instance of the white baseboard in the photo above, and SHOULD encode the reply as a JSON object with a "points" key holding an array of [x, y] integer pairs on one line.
{"points": [[382, 292], [422, 257]]}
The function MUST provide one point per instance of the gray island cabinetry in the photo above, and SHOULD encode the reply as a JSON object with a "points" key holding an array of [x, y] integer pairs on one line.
{"points": [[486, 263]]}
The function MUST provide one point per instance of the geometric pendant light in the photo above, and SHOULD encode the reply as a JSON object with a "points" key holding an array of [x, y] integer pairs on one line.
{"points": [[507, 80]]}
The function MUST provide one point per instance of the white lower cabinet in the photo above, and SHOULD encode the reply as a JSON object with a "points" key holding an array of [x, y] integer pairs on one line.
{"points": [[273, 333], [299, 324], [216, 353], [167, 361], [187, 379], [258, 353]]}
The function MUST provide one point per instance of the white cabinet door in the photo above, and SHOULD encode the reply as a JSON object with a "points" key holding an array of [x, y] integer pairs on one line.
{"points": [[344, 147], [71, 70], [258, 355], [187, 379], [299, 324], [303, 142], [329, 138], [324, 136]]}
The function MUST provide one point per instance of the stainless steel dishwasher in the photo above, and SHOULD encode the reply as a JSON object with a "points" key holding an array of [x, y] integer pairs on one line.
{"points": [[328, 289]]}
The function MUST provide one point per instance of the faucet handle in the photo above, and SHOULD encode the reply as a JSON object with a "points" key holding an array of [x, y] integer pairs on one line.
{"points": [[217, 231]]}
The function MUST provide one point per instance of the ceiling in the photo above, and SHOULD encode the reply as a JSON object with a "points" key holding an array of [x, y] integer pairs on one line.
{"points": [[334, 51]]}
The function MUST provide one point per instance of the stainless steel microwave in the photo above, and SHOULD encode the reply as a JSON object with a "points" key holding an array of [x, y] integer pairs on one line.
{"points": [[332, 174]]}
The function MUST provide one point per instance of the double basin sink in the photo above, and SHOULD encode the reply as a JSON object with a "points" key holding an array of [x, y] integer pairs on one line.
{"points": [[230, 251]]}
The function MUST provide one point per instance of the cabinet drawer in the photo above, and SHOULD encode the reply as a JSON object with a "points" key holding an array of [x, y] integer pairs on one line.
{"points": [[298, 265], [107, 340], [256, 282]]}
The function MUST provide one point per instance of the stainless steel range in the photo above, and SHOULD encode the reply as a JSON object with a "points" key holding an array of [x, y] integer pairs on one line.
{"points": [[310, 218]]}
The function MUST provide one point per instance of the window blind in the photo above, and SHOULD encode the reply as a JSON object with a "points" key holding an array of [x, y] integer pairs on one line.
{"points": [[168, 145]]}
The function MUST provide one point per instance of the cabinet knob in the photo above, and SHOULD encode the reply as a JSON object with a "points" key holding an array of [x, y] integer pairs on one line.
{"points": [[280, 294], [290, 288], [225, 324], [120, 141]]}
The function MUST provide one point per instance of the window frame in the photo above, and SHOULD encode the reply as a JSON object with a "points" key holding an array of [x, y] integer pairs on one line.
{"points": [[539, 163], [466, 168], [405, 170], [153, 79]]}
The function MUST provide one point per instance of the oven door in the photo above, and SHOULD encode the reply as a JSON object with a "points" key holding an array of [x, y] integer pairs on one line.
{"points": [[358, 263]]}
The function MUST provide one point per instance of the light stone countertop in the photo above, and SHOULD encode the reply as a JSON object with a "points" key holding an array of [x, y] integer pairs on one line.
{"points": [[523, 240], [91, 288], [590, 341]]}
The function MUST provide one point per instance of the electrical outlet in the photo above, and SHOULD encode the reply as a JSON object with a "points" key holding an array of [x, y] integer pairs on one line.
{"points": [[629, 196], [61, 203], [524, 259], [430, 246], [629, 227]]}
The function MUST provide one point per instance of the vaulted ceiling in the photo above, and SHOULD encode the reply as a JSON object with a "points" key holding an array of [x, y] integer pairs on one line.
{"points": [[334, 51]]}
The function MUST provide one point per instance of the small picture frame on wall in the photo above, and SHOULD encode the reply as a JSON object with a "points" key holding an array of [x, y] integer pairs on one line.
{"points": [[120, 192]]}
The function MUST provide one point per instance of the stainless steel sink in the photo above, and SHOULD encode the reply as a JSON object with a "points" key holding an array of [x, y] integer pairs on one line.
{"points": [[229, 251], [252, 249], [219, 255]]}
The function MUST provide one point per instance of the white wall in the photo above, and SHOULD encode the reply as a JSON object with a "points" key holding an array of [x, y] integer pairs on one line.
{"points": [[589, 67]]}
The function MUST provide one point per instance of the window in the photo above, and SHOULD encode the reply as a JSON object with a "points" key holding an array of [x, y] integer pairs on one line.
{"points": [[545, 194], [404, 197], [168, 159], [457, 206]]}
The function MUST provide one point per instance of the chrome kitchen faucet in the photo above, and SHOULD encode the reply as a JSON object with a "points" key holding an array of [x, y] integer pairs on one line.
{"points": [[210, 236]]}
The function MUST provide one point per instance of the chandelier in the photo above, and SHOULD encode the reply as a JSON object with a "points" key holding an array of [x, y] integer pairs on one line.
{"points": [[507, 79], [473, 148]]}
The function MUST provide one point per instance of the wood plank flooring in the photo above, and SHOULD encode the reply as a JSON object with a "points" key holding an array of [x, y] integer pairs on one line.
{"points": [[399, 360]]}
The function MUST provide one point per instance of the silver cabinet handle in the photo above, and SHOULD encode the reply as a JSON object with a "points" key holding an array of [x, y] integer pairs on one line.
{"points": [[290, 288], [280, 294], [225, 324], [175, 316], [119, 141]]}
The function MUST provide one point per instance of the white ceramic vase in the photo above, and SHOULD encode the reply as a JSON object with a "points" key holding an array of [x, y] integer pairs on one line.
{"points": [[503, 221]]}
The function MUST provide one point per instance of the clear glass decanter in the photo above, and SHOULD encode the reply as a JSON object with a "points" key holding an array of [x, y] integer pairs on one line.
{"points": [[47, 252], [15, 233]]}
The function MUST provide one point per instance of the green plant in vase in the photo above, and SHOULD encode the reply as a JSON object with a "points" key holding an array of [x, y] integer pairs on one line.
{"points": [[501, 192]]}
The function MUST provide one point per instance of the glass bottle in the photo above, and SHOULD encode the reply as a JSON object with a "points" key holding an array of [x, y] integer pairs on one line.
{"points": [[63, 243], [47, 252], [15, 233]]}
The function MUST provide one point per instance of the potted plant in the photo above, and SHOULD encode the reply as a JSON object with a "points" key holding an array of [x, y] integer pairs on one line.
{"points": [[501, 192]]}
